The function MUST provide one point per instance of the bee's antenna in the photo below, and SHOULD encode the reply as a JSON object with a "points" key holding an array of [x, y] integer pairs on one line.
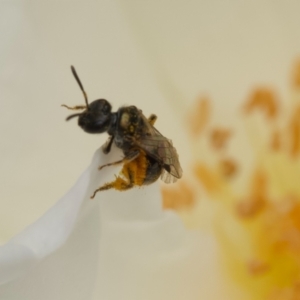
{"points": [[81, 86], [72, 116]]}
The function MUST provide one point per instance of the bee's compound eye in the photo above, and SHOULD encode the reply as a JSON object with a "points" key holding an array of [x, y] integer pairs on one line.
{"points": [[106, 108], [100, 106]]}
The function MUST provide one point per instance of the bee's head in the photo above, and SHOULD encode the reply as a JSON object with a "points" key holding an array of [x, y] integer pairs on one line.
{"points": [[97, 115], [96, 118]]}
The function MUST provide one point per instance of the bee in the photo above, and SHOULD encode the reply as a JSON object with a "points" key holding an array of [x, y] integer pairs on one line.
{"points": [[148, 155]]}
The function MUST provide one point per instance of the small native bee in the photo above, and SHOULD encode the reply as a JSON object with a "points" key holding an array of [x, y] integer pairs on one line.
{"points": [[147, 153]]}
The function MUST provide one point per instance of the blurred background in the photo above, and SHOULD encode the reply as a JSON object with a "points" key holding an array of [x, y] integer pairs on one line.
{"points": [[223, 78]]}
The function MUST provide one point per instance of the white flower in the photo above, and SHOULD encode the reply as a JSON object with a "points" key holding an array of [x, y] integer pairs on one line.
{"points": [[120, 245], [128, 249]]}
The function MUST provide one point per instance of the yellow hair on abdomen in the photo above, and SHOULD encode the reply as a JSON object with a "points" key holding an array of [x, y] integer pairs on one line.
{"points": [[136, 169]]}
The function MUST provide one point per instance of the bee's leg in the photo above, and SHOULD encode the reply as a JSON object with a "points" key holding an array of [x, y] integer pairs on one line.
{"points": [[131, 156], [119, 184], [106, 148], [152, 118], [133, 171], [77, 107]]}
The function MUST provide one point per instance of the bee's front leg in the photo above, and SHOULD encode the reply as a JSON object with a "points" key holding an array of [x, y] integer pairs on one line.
{"points": [[107, 146]]}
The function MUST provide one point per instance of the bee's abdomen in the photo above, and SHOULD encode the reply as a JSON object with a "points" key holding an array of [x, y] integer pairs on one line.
{"points": [[153, 171], [142, 170]]}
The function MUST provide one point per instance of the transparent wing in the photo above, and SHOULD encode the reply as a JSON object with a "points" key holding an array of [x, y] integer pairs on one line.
{"points": [[161, 148], [167, 177]]}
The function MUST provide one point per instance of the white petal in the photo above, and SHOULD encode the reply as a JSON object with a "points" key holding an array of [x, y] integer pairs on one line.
{"points": [[52, 230]]}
